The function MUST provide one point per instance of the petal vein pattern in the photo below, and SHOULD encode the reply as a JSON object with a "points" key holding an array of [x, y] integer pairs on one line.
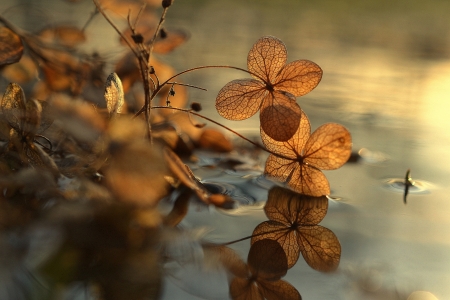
{"points": [[240, 99]]}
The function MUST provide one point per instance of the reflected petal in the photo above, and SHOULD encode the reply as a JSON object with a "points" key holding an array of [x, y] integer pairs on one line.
{"points": [[280, 116], [299, 77], [244, 289], [320, 248], [240, 99], [279, 289], [267, 57], [267, 260], [329, 147], [282, 234]]}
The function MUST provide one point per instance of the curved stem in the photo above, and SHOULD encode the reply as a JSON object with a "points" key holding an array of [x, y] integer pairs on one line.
{"points": [[253, 235], [210, 67]]}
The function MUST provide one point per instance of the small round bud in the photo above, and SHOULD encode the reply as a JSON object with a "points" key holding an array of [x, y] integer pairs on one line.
{"points": [[166, 3], [163, 33], [151, 70], [195, 106], [138, 38]]}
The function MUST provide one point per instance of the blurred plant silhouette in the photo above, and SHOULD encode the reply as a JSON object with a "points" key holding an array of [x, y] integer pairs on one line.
{"points": [[85, 169]]}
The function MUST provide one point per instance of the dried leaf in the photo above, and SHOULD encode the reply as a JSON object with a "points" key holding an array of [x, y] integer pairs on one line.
{"points": [[114, 94], [300, 158], [11, 47], [13, 105], [272, 91], [65, 35], [267, 260], [215, 140]]}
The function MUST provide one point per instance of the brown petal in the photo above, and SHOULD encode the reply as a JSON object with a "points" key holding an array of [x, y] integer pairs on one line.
{"points": [[279, 168], [267, 260], [240, 99], [329, 147], [280, 116], [320, 248], [294, 146], [279, 289], [13, 105], [299, 77], [266, 58], [245, 289], [11, 47], [294, 208], [309, 181], [283, 235]]}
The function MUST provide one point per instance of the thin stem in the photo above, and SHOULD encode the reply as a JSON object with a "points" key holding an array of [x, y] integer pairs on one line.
{"points": [[208, 67], [215, 122], [158, 28], [254, 235], [100, 9], [187, 85]]}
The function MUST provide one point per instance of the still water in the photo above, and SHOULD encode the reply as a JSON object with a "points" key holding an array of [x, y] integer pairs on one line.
{"points": [[387, 79]]}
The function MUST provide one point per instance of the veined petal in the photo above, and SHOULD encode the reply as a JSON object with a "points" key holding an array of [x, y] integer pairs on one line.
{"points": [[267, 57], [280, 115], [308, 180], [329, 147], [298, 77], [240, 99], [279, 168], [320, 247], [293, 147]]}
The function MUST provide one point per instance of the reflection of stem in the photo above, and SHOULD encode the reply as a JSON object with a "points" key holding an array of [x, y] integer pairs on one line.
{"points": [[253, 235]]}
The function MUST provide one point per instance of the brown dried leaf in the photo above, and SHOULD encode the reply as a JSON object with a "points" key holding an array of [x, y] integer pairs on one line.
{"points": [[215, 140], [136, 174], [114, 94], [303, 155], [11, 47], [245, 289], [65, 35], [13, 105], [20, 72], [179, 210]]}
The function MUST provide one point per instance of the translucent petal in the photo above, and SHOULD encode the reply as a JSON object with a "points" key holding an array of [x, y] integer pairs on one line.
{"points": [[308, 180], [280, 116], [299, 77], [329, 147], [279, 289], [293, 147], [320, 248], [266, 58], [240, 99]]}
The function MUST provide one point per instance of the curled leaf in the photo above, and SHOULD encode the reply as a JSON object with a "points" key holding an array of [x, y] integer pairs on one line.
{"points": [[11, 47], [114, 94]]}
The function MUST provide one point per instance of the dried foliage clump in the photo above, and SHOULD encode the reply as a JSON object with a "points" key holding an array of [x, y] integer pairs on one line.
{"points": [[87, 159]]}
